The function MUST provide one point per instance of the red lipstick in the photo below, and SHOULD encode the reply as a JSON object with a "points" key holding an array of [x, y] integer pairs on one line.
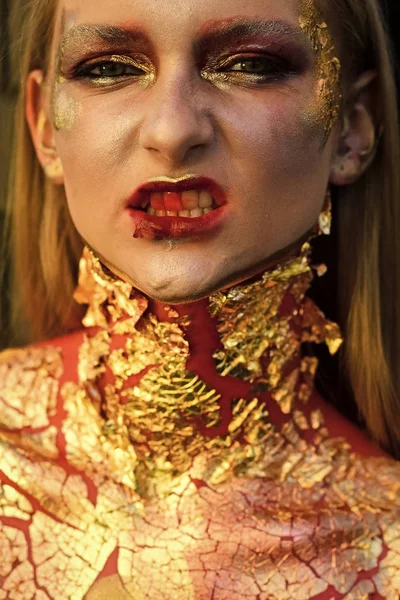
{"points": [[151, 226]]}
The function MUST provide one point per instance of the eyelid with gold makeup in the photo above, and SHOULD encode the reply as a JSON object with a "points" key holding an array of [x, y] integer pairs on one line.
{"points": [[276, 67], [84, 66], [275, 61]]}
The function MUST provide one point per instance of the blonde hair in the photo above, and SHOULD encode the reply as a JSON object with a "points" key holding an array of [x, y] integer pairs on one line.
{"points": [[45, 246], [369, 244], [41, 241]]}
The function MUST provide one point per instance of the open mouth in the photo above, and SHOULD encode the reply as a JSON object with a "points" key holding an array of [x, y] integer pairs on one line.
{"points": [[190, 208], [189, 204]]}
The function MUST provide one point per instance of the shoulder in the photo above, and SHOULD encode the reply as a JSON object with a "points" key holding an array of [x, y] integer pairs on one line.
{"points": [[30, 380], [355, 438], [16, 362]]}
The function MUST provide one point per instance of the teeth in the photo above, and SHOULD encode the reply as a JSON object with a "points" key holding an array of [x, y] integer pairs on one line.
{"points": [[191, 203], [172, 201], [157, 201], [190, 199], [205, 199], [196, 212]]}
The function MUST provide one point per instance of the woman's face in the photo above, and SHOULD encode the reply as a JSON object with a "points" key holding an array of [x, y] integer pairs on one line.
{"points": [[229, 90]]}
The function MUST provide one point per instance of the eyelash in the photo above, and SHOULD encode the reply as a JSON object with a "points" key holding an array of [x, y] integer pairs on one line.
{"points": [[275, 69]]}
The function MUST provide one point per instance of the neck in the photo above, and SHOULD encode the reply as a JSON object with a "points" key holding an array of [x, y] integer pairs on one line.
{"points": [[214, 387]]}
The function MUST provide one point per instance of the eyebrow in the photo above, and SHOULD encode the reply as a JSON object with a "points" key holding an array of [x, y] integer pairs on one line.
{"points": [[103, 33], [244, 27], [210, 36]]}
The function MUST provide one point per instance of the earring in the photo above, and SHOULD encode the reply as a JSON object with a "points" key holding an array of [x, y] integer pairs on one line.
{"points": [[53, 169], [325, 218]]}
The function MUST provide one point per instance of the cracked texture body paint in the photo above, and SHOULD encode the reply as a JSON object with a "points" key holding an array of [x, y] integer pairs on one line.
{"points": [[189, 458]]}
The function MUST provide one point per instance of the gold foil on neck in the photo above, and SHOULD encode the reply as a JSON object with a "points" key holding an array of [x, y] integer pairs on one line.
{"points": [[250, 328], [165, 410], [328, 65], [249, 324], [109, 298]]}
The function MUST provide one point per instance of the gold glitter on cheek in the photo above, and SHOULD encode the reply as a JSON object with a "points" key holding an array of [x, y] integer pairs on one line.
{"points": [[65, 109], [328, 67]]}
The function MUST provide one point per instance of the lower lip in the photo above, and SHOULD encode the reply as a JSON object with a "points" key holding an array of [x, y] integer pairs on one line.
{"points": [[152, 227]]}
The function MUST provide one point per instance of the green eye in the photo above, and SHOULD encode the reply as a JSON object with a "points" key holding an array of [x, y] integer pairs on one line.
{"points": [[266, 68], [108, 69], [259, 64]]}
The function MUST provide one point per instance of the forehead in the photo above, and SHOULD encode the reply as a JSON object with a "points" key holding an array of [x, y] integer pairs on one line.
{"points": [[174, 18]]}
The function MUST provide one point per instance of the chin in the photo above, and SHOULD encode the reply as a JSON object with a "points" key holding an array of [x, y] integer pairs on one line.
{"points": [[176, 283], [175, 291]]}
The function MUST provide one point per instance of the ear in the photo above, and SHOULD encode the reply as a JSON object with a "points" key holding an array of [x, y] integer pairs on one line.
{"points": [[39, 122], [359, 137]]}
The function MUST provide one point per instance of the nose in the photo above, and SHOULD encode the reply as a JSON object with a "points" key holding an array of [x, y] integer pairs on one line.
{"points": [[177, 123]]}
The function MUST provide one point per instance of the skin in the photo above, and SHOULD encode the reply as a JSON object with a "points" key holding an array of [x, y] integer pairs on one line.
{"points": [[265, 142]]}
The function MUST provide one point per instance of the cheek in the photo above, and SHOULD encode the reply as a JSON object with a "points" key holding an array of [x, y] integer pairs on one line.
{"points": [[268, 147], [66, 111], [90, 127], [282, 147], [283, 172], [95, 152]]}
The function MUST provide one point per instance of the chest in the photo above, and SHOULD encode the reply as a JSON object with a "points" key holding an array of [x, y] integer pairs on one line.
{"points": [[63, 535]]}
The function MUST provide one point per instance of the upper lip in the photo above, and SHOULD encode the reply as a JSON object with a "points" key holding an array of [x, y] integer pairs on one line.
{"points": [[189, 183]]}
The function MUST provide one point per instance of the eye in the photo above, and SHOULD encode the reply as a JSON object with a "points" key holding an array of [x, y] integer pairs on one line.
{"points": [[257, 65], [264, 66], [108, 69]]}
